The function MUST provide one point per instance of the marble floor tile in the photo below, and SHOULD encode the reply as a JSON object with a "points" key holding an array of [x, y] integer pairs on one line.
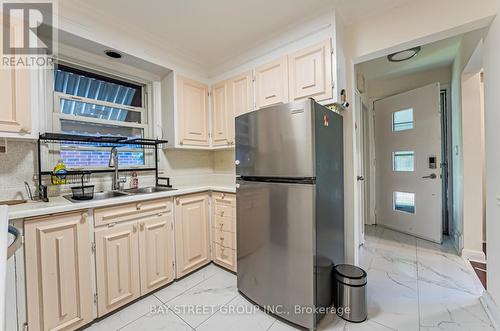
{"points": [[161, 319], [178, 287], [448, 271], [239, 314], [392, 300], [450, 309], [126, 315], [203, 300]]}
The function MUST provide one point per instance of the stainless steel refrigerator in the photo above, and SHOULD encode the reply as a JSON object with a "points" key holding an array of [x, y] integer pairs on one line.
{"points": [[290, 208]]}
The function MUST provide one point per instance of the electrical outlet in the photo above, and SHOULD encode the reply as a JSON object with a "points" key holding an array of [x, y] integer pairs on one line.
{"points": [[3, 147]]}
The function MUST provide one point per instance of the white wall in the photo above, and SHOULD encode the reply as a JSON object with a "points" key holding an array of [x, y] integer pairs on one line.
{"points": [[473, 165], [492, 133], [468, 45]]}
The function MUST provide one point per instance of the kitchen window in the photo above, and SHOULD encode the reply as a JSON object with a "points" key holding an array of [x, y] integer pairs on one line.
{"points": [[96, 104]]}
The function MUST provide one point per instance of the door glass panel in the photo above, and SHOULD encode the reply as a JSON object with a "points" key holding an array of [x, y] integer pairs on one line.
{"points": [[402, 120], [404, 202], [403, 161]]}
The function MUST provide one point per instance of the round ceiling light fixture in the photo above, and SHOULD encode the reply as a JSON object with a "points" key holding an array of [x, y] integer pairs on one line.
{"points": [[113, 54], [404, 55]]}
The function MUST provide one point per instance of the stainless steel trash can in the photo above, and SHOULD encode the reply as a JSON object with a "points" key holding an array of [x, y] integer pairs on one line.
{"points": [[350, 293]]}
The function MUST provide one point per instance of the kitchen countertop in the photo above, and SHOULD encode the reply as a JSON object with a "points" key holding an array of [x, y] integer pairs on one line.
{"points": [[60, 204]]}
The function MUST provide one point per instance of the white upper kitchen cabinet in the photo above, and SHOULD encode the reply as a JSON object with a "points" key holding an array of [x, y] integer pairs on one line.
{"points": [[192, 112], [15, 93], [230, 98], [271, 83], [240, 94], [220, 114], [310, 72]]}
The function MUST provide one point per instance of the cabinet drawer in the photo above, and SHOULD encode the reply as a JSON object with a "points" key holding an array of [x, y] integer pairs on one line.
{"points": [[224, 256], [224, 223], [131, 211], [224, 210], [226, 239], [228, 198]]}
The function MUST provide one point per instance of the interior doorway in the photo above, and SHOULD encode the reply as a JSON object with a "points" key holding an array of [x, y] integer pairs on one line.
{"points": [[408, 162]]}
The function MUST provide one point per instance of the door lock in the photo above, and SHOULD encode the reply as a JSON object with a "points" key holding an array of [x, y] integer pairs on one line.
{"points": [[431, 176]]}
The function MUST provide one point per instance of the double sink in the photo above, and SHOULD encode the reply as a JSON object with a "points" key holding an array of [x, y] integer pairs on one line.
{"points": [[116, 194]]}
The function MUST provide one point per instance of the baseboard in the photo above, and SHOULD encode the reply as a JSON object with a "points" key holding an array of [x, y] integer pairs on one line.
{"points": [[472, 255], [491, 309]]}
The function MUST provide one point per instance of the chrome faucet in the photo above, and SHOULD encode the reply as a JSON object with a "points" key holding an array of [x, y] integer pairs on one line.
{"points": [[113, 163]]}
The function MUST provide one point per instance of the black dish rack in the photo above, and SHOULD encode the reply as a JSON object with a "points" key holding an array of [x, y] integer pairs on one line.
{"points": [[96, 141]]}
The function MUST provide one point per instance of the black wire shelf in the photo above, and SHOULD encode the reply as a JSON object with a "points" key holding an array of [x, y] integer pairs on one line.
{"points": [[100, 141], [70, 140]]}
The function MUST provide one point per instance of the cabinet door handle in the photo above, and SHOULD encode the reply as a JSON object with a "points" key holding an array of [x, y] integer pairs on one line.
{"points": [[84, 218], [142, 226], [177, 201], [222, 213], [134, 228], [223, 196], [138, 206]]}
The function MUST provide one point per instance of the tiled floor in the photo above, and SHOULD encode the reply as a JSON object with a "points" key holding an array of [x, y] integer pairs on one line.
{"points": [[412, 285]]}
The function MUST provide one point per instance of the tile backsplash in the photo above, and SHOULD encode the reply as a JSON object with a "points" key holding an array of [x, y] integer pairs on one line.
{"points": [[184, 167]]}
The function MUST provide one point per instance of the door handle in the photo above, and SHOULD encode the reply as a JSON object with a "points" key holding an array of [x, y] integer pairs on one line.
{"points": [[431, 176], [360, 178]]}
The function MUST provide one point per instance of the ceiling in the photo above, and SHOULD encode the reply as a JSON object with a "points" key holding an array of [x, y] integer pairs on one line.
{"points": [[432, 56], [353, 11], [210, 33]]}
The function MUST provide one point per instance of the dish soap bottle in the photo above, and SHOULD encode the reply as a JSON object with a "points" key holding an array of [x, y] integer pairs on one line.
{"points": [[59, 173], [134, 180]]}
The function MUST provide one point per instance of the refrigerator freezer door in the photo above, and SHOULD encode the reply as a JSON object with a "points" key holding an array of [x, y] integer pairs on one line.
{"points": [[276, 241], [276, 142]]}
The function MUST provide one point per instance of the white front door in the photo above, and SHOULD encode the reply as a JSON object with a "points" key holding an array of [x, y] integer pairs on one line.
{"points": [[408, 162]]}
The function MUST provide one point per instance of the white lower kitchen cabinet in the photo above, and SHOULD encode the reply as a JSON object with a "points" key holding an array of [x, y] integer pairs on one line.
{"points": [[117, 266], [134, 251], [58, 272], [156, 243], [224, 230], [192, 235]]}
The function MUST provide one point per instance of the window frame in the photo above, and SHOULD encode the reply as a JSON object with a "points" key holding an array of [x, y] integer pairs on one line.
{"points": [[394, 156], [54, 114], [412, 120], [394, 209]]}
